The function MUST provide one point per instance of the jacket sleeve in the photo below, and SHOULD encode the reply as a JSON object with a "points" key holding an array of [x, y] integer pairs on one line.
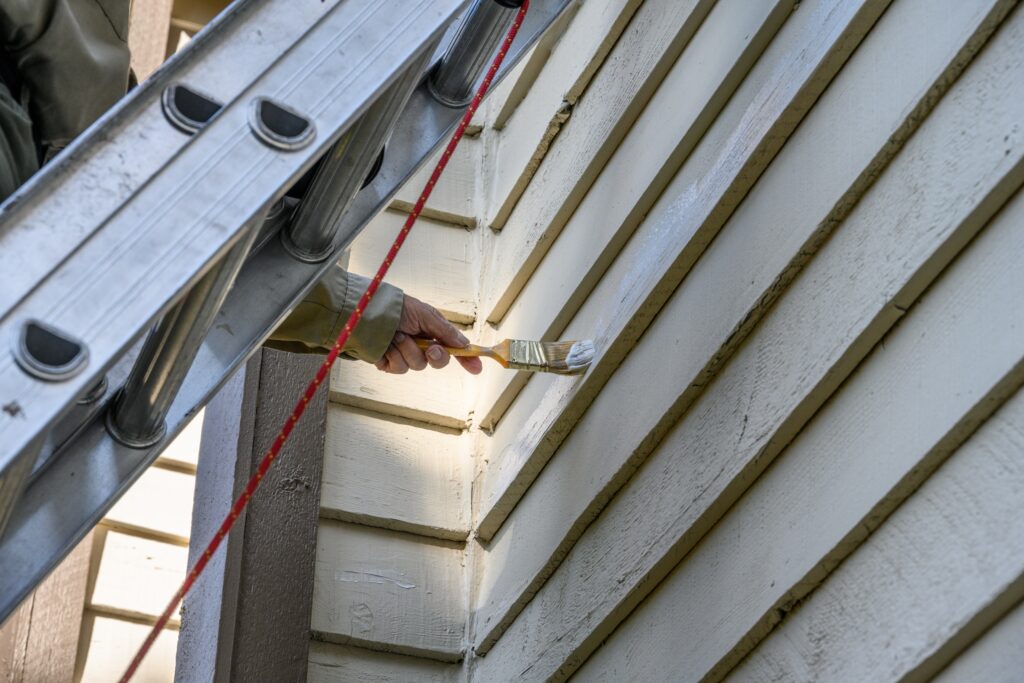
{"points": [[72, 58], [316, 322]]}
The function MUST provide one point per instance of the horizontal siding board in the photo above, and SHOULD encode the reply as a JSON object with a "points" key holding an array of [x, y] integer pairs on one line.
{"points": [[110, 643], [396, 474], [956, 563], [389, 591], [996, 657], [136, 577], [753, 424], [453, 199], [686, 103], [331, 663], [905, 409], [565, 76], [158, 504], [440, 397], [647, 48], [797, 66], [438, 266]]}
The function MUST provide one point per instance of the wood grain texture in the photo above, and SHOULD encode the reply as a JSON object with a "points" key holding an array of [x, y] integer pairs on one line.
{"points": [[396, 474], [643, 54], [39, 641], [454, 197], [135, 577], [438, 266], [909, 404], [781, 88], [331, 663], [158, 504], [961, 562], [438, 397], [996, 657], [112, 644], [692, 94], [733, 412], [528, 133], [389, 591]]}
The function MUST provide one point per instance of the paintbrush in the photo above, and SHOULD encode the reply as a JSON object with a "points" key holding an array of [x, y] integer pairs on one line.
{"points": [[563, 358]]}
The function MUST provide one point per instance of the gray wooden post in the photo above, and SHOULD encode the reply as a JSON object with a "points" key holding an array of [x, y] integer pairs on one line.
{"points": [[248, 618]]}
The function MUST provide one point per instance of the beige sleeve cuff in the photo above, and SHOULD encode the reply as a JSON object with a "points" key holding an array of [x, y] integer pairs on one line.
{"points": [[316, 322]]}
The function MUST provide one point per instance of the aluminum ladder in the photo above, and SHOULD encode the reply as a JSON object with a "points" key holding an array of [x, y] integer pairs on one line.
{"points": [[154, 255]]}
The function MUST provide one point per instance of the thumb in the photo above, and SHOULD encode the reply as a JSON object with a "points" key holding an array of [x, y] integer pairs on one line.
{"points": [[440, 329]]}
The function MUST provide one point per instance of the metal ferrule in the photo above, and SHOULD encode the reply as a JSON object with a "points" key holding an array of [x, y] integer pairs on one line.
{"points": [[527, 355], [312, 234], [453, 79], [137, 415]]}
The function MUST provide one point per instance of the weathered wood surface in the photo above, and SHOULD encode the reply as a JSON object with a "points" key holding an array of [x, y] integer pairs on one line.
{"points": [[996, 657], [39, 641], [438, 267], [331, 663], [389, 591], [528, 132], [397, 474], [454, 197], [135, 577], [438, 397], [643, 54], [798, 386], [149, 26], [693, 92], [158, 504], [762, 113], [113, 643], [872, 622], [904, 410]]}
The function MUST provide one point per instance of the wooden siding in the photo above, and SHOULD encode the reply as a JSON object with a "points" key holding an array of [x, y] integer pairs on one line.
{"points": [[793, 230]]}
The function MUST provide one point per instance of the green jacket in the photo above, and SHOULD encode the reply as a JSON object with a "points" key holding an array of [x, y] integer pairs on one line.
{"points": [[66, 62]]}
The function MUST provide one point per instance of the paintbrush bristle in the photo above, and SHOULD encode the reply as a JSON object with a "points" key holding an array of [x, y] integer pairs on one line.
{"points": [[563, 358]]}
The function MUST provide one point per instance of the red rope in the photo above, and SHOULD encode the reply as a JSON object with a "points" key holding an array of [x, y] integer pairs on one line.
{"points": [[323, 372]]}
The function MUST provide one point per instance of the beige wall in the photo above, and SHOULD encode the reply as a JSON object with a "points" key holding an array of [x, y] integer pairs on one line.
{"points": [[792, 232]]}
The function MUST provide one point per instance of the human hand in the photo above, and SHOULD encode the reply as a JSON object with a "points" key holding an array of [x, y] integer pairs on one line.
{"points": [[423, 320]]}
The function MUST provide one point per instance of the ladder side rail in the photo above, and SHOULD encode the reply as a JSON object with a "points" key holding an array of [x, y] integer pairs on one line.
{"points": [[93, 470]]}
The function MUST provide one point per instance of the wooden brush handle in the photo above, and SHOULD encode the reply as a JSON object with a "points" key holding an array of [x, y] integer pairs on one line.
{"points": [[468, 351]]}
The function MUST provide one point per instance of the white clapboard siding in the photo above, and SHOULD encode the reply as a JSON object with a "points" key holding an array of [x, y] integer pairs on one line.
{"points": [[503, 100], [453, 199], [790, 365], [331, 663], [436, 263], [792, 72], [907, 406], [397, 474], [643, 54], [158, 504], [996, 657], [872, 621], [113, 643], [440, 397], [686, 103], [183, 451], [389, 591], [565, 76], [135, 577]]}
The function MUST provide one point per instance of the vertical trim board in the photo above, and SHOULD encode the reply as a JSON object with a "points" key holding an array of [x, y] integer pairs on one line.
{"points": [[798, 384]]}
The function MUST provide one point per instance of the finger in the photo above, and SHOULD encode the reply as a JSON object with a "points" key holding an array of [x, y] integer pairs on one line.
{"points": [[412, 353], [396, 363], [437, 356], [382, 364], [434, 325], [473, 365]]}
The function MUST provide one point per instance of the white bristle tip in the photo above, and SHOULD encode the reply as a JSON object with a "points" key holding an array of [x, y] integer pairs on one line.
{"points": [[581, 354]]}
